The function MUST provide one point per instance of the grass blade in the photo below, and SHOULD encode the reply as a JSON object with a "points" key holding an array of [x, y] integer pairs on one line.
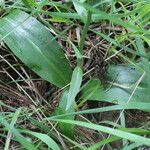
{"points": [[116, 132], [131, 105], [22, 140], [45, 138]]}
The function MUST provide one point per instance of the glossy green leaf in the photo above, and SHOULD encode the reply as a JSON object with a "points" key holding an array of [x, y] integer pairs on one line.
{"points": [[122, 80], [33, 44]]}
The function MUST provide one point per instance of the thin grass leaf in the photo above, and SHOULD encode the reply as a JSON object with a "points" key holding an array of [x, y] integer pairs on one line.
{"points": [[131, 105], [95, 18], [116, 132], [44, 138], [22, 140], [145, 10], [103, 142], [80, 146], [77, 53], [125, 48], [131, 146], [13, 121]]}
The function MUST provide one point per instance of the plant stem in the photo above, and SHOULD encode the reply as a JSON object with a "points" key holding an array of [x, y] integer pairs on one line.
{"points": [[83, 36]]}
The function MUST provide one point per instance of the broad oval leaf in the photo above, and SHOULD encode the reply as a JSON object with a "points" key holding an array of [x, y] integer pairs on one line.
{"points": [[34, 45], [122, 80]]}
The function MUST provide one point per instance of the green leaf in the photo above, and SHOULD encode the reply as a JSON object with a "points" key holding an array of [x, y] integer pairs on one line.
{"points": [[89, 90], [67, 102], [74, 86], [122, 80], [113, 41], [103, 142], [29, 3], [81, 10], [22, 140], [80, 146], [132, 146], [144, 61], [77, 52], [34, 45], [45, 138], [112, 131], [131, 105], [62, 110], [13, 121]]}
